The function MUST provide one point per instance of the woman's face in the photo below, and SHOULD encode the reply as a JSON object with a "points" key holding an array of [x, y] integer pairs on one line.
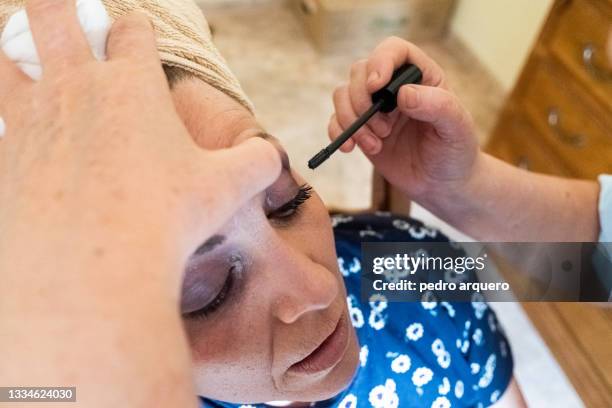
{"points": [[264, 304]]}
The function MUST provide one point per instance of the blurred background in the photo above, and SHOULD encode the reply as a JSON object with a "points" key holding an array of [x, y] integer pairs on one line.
{"points": [[534, 75]]}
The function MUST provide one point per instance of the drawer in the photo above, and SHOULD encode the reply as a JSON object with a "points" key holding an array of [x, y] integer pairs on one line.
{"points": [[517, 142], [571, 122], [579, 41]]}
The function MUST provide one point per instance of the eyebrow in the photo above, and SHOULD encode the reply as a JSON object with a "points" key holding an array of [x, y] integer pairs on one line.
{"points": [[276, 143], [210, 244]]}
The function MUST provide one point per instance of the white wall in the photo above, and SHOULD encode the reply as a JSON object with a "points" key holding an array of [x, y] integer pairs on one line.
{"points": [[500, 32]]}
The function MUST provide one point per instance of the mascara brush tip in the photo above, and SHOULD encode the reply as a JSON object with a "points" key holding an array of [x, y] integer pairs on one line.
{"points": [[318, 158]]}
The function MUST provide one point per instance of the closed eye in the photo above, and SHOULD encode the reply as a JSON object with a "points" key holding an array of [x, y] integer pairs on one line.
{"points": [[219, 299], [229, 288]]}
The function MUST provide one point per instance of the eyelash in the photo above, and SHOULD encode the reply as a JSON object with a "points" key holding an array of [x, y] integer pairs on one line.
{"points": [[289, 209], [284, 212]]}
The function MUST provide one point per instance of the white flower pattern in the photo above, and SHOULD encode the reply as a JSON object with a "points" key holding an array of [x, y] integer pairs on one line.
{"points": [[477, 337], [489, 368], [439, 350], [349, 401], [441, 402], [363, 355], [422, 376], [354, 311], [384, 396], [459, 388], [494, 396], [414, 331], [445, 387], [401, 364]]}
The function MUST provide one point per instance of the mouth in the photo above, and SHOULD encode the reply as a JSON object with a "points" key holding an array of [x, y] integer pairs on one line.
{"points": [[329, 353]]}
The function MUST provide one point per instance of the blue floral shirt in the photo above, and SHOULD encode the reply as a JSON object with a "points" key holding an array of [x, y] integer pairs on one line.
{"points": [[414, 354]]}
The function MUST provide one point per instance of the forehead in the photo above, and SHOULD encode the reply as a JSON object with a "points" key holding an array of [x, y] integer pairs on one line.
{"points": [[215, 120]]}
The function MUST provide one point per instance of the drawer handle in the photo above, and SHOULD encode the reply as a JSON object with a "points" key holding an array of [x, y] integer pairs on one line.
{"points": [[588, 58], [554, 122]]}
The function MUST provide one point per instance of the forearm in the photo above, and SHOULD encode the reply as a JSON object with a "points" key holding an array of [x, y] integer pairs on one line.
{"points": [[504, 203], [102, 317]]}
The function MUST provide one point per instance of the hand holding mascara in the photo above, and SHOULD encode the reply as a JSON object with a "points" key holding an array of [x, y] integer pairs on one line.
{"points": [[384, 100]]}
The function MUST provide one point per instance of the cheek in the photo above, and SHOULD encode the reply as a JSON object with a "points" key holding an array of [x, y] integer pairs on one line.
{"points": [[232, 355], [232, 340], [237, 333], [320, 237], [213, 345]]}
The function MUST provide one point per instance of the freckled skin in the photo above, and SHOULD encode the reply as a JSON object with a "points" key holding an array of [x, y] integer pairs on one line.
{"points": [[290, 295]]}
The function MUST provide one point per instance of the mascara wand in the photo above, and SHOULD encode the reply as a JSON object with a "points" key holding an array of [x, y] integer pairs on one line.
{"points": [[383, 100]]}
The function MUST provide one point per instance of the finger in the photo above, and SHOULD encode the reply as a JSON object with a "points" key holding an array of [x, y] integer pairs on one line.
{"points": [[393, 117], [132, 37], [11, 79], [59, 39], [334, 130], [438, 107], [394, 52], [364, 137], [361, 99], [242, 172]]}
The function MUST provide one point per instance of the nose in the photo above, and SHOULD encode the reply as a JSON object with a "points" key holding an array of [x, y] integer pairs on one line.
{"points": [[301, 285]]}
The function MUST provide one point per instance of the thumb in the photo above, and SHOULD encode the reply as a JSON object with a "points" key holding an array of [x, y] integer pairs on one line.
{"points": [[438, 107], [237, 174], [250, 167]]}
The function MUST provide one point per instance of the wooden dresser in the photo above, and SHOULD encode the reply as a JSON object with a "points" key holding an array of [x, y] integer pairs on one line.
{"points": [[558, 120]]}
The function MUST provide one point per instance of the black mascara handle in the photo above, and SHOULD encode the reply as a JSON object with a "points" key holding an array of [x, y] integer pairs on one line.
{"points": [[406, 74]]}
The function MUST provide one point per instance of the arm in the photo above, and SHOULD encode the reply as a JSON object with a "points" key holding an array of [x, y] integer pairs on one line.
{"points": [[101, 204], [93, 311], [427, 148], [500, 202]]}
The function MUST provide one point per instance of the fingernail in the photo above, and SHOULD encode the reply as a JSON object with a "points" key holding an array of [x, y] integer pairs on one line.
{"points": [[384, 128], [411, 97], [373, 77], [368, 143]]}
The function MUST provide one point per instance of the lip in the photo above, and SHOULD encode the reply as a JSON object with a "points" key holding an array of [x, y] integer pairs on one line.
{"points": [[328, 353]]}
